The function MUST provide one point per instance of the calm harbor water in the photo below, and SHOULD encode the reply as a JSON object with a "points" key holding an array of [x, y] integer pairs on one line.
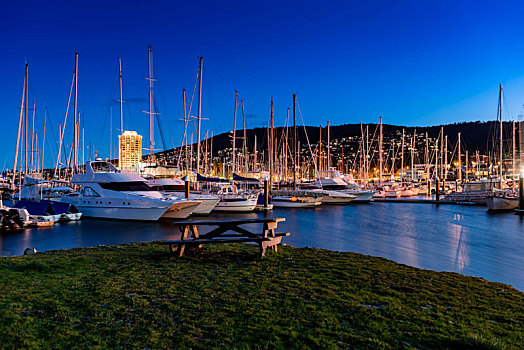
{"points": [[454, 238]]}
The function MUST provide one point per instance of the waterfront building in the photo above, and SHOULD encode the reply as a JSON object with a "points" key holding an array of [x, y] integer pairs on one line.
{"points": [[129, 149]]}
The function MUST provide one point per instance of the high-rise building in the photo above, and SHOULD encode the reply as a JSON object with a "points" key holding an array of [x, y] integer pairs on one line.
{"points": [[129, 150]]}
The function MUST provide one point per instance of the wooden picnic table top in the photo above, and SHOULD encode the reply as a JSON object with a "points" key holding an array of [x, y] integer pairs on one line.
{"points": [[225, 222]]}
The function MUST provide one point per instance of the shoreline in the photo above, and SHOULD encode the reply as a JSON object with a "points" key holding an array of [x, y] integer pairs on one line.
{"points": [[138, 295]]}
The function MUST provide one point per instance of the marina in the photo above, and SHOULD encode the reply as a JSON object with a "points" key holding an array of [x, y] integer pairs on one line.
{"points": [[462, 239], [296, 175]]}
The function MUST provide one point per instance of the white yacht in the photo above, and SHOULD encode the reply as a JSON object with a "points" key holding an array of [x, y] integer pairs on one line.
{"points": [[174, 188], [108, 193], [231, 200], [332, 180]]}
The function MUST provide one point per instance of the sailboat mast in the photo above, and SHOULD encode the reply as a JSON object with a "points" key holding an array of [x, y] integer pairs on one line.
{"points": [[75, 143], [380, 153], [413, 154], [271, 139], [43, 138], [31, 163], [211, 154], [245, 139], [500, 145], [402, 158], [20, 119], [185, 128], [513, 151], [320, 149], [428, 180], [121, 99], [234, 133], [328, 147], [199, 112], [25, 122], [295, 143], [255, 167], [151, 113], [367, 154], [459, 175], [446, 158]]}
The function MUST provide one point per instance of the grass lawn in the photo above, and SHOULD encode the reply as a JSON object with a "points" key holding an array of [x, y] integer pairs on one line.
{"points": [[139, 296]]}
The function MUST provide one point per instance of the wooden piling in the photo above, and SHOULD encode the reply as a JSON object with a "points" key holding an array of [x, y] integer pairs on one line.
{"points": [[186, 188], [266, 194], [521, 192]]}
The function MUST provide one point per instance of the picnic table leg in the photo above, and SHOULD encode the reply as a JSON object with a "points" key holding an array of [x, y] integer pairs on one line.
{"points": [[269, 230], [181, 247], [262, 249], [194, 231]]}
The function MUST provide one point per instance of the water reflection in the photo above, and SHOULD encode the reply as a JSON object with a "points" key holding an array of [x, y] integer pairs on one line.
{"points": [[459, 239], [443, 238]]}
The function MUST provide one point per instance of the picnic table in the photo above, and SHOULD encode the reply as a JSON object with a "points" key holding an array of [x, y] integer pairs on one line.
{"points": [[268, 238]]}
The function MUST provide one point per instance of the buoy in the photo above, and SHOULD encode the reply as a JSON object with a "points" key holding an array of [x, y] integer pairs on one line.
{"points": [[30, 251]]}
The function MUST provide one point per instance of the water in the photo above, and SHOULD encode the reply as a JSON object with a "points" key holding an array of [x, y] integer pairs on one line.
{"points": [[461, 239]]}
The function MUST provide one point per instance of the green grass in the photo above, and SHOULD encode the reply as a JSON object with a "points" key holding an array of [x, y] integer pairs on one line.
{"points": [[138, 296]]}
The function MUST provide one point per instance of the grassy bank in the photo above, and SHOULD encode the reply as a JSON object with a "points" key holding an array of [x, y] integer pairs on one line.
{"points": [[138, 296]]}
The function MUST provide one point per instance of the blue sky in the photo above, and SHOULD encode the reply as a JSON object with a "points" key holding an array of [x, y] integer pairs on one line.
{"points": [[414, 62]]}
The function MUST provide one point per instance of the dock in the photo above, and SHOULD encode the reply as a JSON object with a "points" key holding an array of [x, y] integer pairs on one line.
{"points": [[422, 200]]}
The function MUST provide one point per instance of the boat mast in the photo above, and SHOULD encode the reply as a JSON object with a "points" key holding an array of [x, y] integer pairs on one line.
{"points": [[295, 143], [255, 167], [211, 154], [441, 152], [366, 159], [361, 169], [286, 147], [75, 143], [402, 158], [514, 151], [446, 158], [320, 150], [234, 132], [43, 138], [245, 139], [500, 145], [393, 158], [25, 123], [151, 113], [380, 153], [121, 99], [185, 129], [328, 147], [199, 113], [31, 162], [191, 154], [459, 175], [20, 119], [426, 156], [271, 140], [413, 153]]}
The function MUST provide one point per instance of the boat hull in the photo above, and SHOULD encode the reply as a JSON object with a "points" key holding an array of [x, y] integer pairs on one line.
{"points": [[245, 205], [129, 210], [180, 210], [502, 203], [208, 203], [362, 196]]}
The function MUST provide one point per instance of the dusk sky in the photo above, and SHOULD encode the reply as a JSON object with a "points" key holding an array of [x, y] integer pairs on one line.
{"points": [[414, 62]]}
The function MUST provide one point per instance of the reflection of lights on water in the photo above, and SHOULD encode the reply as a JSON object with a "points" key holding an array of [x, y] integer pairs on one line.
{"points": [[458, 217], [459, 236]]}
